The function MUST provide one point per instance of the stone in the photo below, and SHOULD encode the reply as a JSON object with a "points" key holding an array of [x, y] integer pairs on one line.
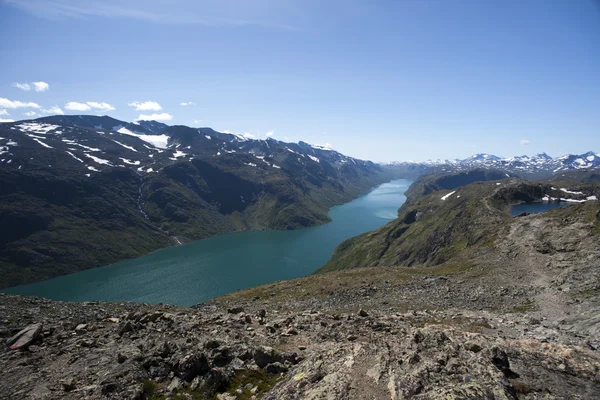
{"points": [[192, 365], [276, 368], [212, 344], [68, 384], [25, 337], [265, 355], [473, 347], [175, 384], [127, 327], [235, 310], [363, 313], [291, 331]]}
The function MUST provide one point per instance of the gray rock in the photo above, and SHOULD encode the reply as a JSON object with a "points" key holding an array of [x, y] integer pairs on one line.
{"points": [[276, 368], [192, 365], [265, 355], [25, 337]]}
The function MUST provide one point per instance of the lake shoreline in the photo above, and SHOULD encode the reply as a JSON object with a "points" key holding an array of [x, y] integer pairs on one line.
{"points": [[197, 271]]}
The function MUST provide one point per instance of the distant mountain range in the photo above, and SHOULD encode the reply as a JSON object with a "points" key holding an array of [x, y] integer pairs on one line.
{"points": [[80, 191], [535, 167]]}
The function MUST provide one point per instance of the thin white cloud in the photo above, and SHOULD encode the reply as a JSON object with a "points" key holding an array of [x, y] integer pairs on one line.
{"points": [[30, 114], [22, 86], [269, 134], [187, 103], [55, 110], [145, 106], [525, 142], [5, 103], [6, 120], [155, 117], [248, 135], [3, 112], [40, 86], [197, 121], [75, 106], [100, 106]]}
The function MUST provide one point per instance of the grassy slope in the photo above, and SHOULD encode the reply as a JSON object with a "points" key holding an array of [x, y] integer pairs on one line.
{"points": [[431, 231]]}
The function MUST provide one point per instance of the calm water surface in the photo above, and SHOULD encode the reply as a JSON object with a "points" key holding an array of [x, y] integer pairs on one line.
{"points": [[197, 271], [534, 208]]}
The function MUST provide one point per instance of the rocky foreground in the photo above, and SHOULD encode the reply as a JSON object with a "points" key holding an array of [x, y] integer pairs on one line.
{"points": [[245, 347]]}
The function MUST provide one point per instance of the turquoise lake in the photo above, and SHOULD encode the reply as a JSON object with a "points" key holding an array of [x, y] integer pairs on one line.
{"points": [[200, 270]]}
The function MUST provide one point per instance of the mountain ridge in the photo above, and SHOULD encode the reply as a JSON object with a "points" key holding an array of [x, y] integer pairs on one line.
{"points": [[539, 166]]}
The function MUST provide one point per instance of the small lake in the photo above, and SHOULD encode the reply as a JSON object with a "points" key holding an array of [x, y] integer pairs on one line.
{"points": [[534, 208], [200, 270]]}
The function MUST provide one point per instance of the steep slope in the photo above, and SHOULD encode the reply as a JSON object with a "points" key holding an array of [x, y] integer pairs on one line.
{"points": [[457, 227], [94, 190]]}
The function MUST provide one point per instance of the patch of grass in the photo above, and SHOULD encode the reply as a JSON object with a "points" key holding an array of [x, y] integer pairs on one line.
{"points": [[528, 305], [587, 293], [259, 379]]}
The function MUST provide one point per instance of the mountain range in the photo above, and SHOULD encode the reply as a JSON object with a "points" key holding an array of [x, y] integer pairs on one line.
{"points": [[538, 166]]}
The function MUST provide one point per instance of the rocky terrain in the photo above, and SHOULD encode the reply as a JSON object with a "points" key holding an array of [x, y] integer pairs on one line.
{"points": [[511, 313]]}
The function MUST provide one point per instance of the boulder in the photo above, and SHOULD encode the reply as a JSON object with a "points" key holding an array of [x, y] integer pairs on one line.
{"points": [[265, 355], [276, 368], [192, 365], [25, 337]]}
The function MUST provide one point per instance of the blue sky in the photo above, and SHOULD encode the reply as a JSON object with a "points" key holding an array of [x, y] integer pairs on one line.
{"points": [[381, 80]]}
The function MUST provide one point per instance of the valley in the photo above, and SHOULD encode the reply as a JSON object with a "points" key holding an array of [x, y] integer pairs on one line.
{"points": [[204, 269], [87, 191]]}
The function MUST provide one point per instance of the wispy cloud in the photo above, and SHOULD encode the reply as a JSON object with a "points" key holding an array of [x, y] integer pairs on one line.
{"points": [[212, 13], [37, 86], [155, 117], [3, 112], [525, 142], [22, 86], [145, 106], [75, 106], [30, 114], [248, 135], [187, 103], [6, 103], [269, 134], [6, 120]]}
